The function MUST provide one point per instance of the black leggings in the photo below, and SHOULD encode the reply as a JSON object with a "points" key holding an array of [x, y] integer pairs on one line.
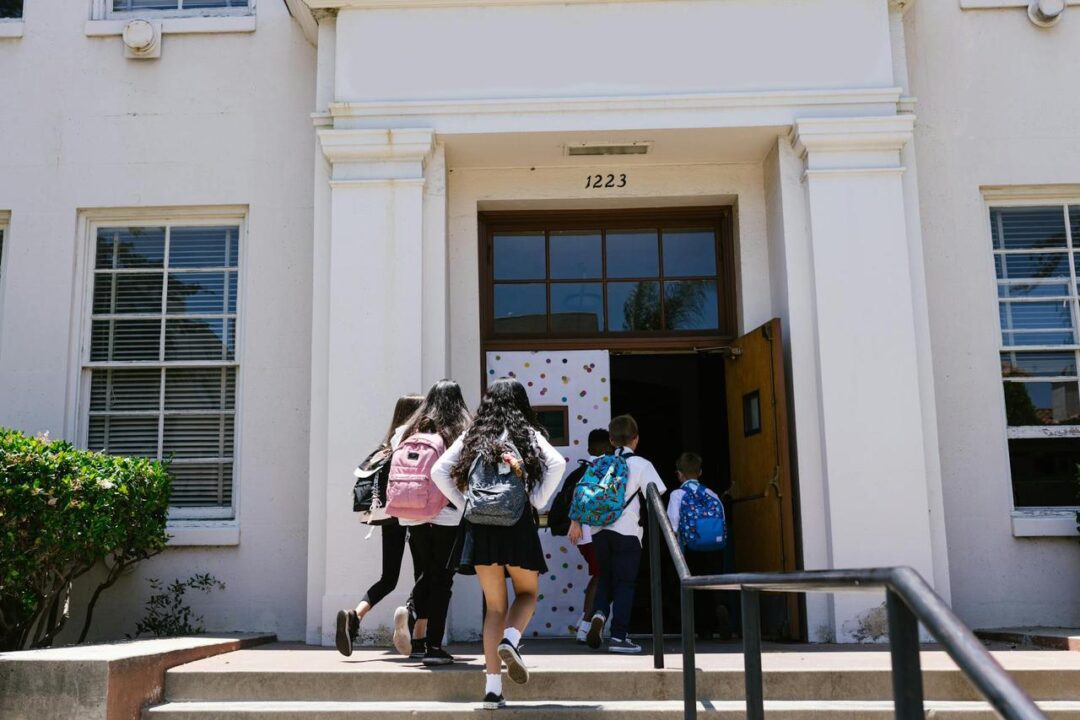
{"points": [[393, 550], [431, 546]]}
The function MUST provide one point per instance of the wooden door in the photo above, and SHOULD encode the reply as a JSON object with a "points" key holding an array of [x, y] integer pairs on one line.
{"points": [[762, 516]]}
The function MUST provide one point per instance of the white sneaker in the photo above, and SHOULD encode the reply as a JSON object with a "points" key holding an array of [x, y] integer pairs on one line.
{"points": [[625, 646], [402, 638], [582, 632], [594, 636]]}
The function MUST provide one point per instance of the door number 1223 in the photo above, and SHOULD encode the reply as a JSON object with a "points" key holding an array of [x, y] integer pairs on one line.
{"points": [[593, 182]]}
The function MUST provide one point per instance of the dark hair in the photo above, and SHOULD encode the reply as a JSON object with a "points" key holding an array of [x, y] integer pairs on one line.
{"points": [[623, 429], [403, 410], [443, 411], [599, 440], [504, 408], [689, 464]]}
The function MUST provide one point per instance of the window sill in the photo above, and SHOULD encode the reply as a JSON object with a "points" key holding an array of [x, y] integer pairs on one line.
{"points": [[191, 533], [11, 29], [178, 25], [997, 4], [1044, 523]]}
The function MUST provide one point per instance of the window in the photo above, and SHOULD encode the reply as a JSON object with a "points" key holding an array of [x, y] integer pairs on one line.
{"points": [[11, 9], [556, 420], [160, 364], [607, 274], [170, 8], [125, 5], [1037, 265]]}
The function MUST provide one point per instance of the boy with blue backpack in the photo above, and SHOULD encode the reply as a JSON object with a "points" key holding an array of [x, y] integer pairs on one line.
{"points": [[608, 501], [697, 514]]}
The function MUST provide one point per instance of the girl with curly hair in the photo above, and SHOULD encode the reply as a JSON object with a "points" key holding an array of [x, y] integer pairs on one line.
{"points": [[492, 552]]}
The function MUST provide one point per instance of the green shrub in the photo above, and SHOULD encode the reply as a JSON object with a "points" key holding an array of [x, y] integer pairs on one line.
{"points": [[167, 615], [62, 511]]}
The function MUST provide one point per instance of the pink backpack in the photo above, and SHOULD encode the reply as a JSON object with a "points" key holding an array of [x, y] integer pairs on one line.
{"points": [[410, 493]]}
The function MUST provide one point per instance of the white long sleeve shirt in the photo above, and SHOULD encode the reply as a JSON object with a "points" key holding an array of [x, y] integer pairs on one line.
{"points": [[551, 460], [642, 474]]}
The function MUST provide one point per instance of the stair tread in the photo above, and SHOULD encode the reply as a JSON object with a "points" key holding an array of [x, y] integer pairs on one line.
{"points": [[434, 706]]}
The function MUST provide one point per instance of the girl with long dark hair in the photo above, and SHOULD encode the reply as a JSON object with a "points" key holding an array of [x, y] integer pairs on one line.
{"points": [[444, 413], [394, 537], [504, 419]]}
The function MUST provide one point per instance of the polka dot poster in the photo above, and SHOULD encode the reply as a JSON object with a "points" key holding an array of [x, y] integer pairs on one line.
{"points": [[577, 380]]}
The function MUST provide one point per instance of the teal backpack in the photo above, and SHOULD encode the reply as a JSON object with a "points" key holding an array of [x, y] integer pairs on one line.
{"points": [[600, 495]]}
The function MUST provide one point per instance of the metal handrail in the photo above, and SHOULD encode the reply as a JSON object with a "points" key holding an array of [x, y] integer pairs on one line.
{"points": [[909, 600]]}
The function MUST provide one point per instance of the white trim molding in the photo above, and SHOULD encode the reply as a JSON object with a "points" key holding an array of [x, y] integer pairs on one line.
{"points": [[1044, 522], [869, 134], [1000, 195], [1000, 4], [188, 533], [11, 29], [178, 25]]}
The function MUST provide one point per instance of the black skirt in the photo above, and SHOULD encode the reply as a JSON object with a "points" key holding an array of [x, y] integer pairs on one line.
{"points": [[517, 545]]}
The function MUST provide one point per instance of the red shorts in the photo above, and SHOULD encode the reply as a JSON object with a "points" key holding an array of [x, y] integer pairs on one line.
{"points": [[589, 554]]}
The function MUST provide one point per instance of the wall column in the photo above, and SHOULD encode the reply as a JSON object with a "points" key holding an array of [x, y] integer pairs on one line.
{"points": [[375, 336], [873, 438]]}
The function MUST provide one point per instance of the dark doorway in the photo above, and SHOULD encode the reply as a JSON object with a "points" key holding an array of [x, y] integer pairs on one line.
{"points": [[679, 402]]}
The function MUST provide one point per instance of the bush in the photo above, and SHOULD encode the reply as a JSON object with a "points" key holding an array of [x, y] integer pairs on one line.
{"points": [[62, 511], [167, 615]]}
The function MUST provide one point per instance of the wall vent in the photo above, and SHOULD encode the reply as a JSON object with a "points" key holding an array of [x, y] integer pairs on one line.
{"points": [[634, 148]]}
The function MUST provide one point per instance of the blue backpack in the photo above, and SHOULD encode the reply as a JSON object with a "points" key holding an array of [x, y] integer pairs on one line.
{"points": [[600, 495], [702, 526]]}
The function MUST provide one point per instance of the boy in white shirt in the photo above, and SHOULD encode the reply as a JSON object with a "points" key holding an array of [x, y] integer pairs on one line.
{"points": [[710, 614], [618, 546]]}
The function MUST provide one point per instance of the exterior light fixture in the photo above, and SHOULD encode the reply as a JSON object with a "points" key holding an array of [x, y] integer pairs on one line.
{"points": [[1046, 13]]}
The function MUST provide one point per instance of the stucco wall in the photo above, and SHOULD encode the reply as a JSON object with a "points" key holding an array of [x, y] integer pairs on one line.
{"points": [[218, 119], [995, 107]]}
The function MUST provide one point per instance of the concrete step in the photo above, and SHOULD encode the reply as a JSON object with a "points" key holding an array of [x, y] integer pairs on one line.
{"points": [[283, 673], [610, 710]]}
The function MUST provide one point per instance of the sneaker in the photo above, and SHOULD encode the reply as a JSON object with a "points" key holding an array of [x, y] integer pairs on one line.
{"points": [[515, 666], [625, 646], [594, 636], [419, 650], [402, 636], [494, 702], [437, 656], [582, 632], [348, 627]]}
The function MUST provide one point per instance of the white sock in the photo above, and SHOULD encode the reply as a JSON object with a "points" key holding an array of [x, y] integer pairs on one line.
{"points": [[493, 683], [584, 624], [513, 635]]}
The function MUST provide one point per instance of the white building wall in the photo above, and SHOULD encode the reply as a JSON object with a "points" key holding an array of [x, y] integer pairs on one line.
{"points": [[996, 106], [219, 119]]}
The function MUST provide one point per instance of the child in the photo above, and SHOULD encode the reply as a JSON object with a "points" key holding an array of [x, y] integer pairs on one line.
{"points": [[708, 611], [492, 552], [393, 549], [443, 412], [599, 444], [618, 545]]}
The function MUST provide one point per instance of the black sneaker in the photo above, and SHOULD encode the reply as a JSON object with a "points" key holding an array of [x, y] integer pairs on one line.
{"points": [[494, 702], [625, 646], [594, 637], [419, 650], [437, 656], [348, 628], [515, 666]]}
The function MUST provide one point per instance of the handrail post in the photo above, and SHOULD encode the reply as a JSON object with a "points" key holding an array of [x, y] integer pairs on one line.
{"points": [[904, 648], [657, 596], [689, 655], [751, 634]]}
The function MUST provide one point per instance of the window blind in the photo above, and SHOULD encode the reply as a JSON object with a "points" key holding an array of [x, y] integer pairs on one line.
{"points": [[162, 353], [1037, 266]]}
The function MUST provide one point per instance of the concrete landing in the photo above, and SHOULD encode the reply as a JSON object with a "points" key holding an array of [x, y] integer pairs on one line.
{"points": [[1050, 638]]}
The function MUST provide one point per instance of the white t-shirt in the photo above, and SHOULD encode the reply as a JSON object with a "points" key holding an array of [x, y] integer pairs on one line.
{"points": [[642, 473], [675, 502], [551, 460]]}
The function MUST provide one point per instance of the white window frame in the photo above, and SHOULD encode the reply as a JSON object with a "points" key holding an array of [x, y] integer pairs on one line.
{"points": [[5, 245], [1034, 521], [102, 10], [189, 526]]}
